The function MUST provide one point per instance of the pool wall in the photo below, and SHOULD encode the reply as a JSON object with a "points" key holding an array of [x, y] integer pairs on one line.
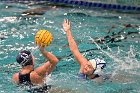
{"points": [[121, 5], [99, 5], [120, 2]]}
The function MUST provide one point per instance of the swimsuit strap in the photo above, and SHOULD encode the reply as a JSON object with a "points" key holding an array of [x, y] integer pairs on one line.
{"points": [[82, 76], [25, 78]]}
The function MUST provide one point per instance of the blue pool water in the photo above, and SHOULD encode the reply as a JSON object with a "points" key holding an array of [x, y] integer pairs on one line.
{"points": [[122, 56]]}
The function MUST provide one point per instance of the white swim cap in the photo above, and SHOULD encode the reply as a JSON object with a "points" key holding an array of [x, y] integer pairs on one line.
{"points": [[98, 65]]}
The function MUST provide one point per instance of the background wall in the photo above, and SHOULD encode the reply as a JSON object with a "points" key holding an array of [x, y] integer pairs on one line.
{"points": [[123, 2]]}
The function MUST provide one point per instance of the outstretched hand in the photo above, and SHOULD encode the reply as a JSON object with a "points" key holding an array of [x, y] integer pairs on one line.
{"points": [[66, 25]]}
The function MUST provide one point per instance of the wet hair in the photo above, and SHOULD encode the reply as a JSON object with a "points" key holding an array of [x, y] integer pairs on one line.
{"points": [[24, 58]]}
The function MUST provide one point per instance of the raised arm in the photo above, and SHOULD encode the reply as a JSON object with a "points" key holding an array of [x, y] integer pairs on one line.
{"points": [[47, 67], [73, 46], [52, 58]]}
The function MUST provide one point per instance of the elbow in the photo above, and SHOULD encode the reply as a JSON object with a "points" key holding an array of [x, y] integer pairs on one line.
{"points": [[55, 60]]}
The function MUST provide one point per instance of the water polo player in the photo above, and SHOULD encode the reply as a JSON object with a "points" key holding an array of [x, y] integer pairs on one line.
{"points": [[28, 75], [88, 69]]}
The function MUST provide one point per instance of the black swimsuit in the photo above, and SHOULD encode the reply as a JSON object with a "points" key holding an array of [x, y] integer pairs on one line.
{"points": [[25, 78]]}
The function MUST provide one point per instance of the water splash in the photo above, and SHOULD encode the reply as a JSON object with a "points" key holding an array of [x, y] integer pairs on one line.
{"points": [[125, 62]]}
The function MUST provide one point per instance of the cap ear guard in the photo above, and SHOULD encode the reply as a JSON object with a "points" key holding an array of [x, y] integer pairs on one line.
{"points": [[98, 65], [24, 57]]}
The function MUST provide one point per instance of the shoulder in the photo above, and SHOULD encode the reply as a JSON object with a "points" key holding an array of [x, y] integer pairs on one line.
{"points": [[15, 78], [34, 74], [36, 78]]}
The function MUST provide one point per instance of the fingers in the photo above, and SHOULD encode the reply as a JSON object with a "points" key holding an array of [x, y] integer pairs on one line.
{"points": [[40, 45], [66, 21]]}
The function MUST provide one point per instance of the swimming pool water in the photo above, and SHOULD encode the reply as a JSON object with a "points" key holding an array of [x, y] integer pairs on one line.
{"points": [[122, 57]]}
